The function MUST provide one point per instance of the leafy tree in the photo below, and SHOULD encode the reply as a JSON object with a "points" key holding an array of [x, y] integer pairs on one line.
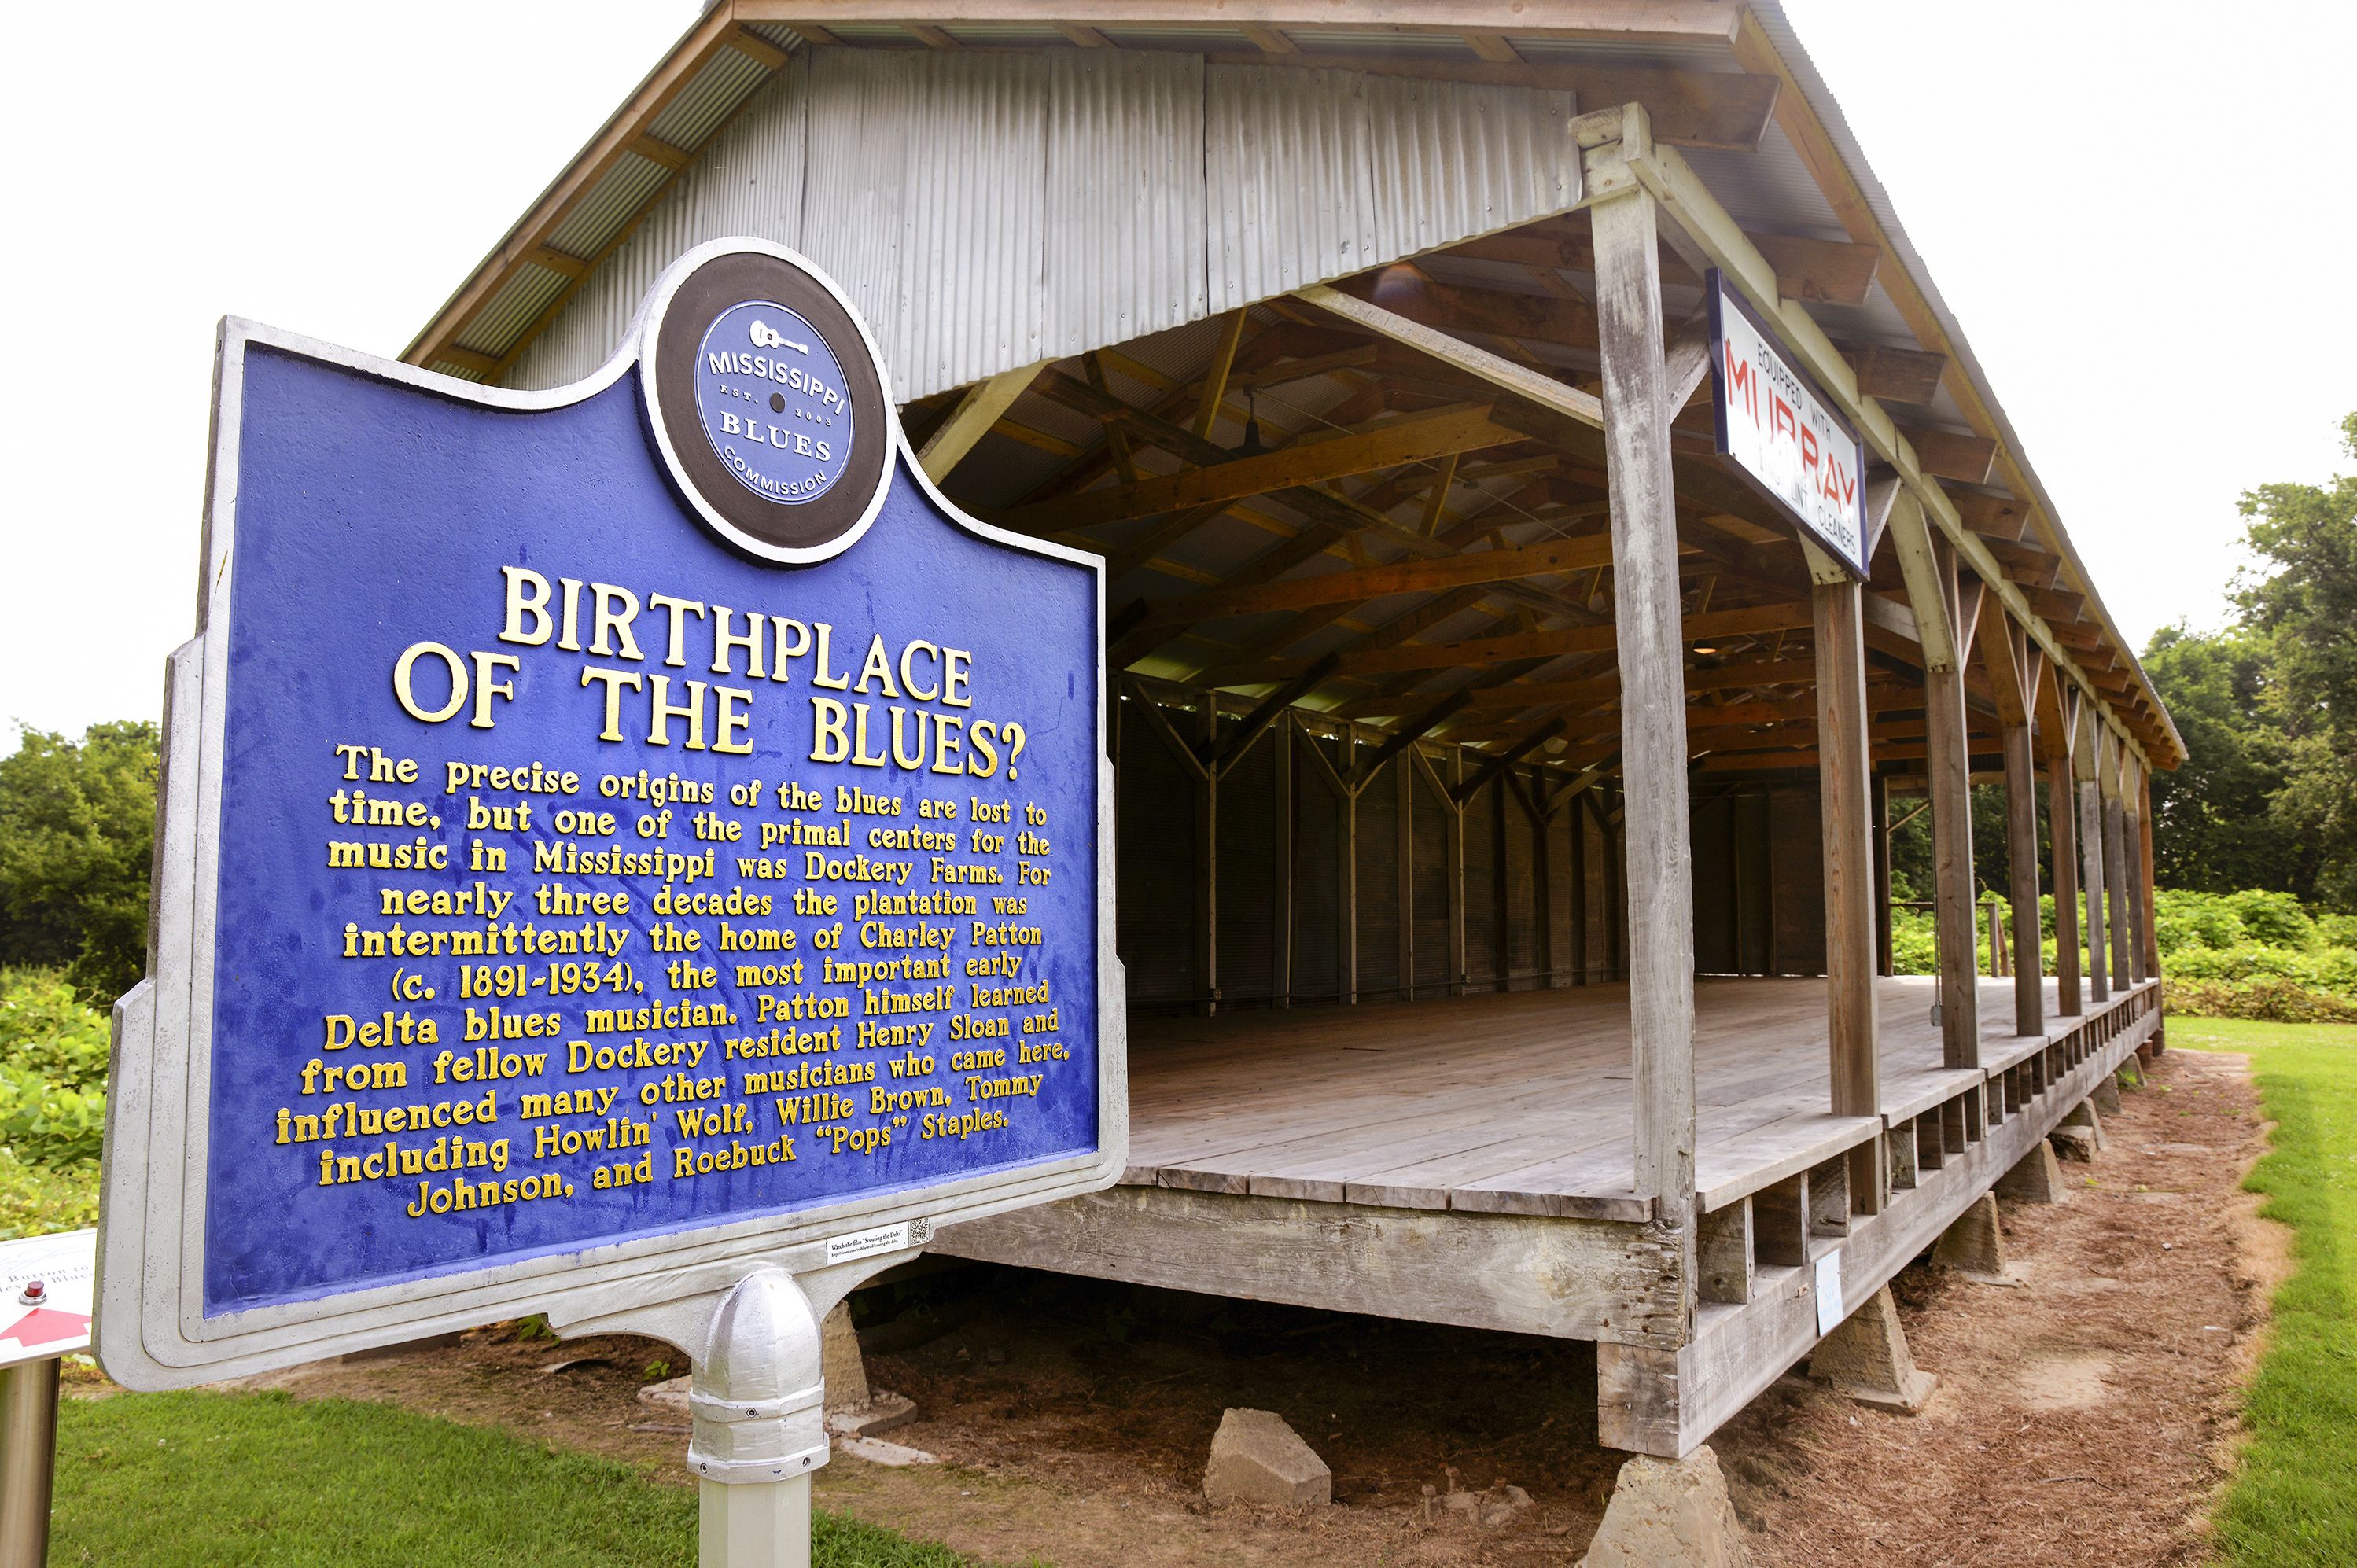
{"points": [[2306, 605], [77, 827], [2214, 824]]}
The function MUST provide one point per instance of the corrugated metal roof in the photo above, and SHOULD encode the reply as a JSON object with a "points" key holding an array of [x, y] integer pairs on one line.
{"points": [[512, 310], [709, 98], [749, 181], [617, 198]]}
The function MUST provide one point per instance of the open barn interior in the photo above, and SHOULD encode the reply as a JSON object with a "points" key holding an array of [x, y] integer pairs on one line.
{"points": [[1503, 779]]}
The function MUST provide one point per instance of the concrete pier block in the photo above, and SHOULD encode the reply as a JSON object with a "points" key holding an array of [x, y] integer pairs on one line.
{"points": [[840, 1362], [1973, 1246], [1668, 1513], [1866, 1358], [2036, 1178], [2106, 1098]]}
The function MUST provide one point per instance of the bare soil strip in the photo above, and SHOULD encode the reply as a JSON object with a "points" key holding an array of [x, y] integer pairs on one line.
{"points": [[2086, 1417]]}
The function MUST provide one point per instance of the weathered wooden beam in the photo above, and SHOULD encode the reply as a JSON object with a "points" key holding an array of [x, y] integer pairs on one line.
{"points": [[1822, 272], [1513, 563], [1952, 454], [2064, 840], [1651, 649], [2021, 860], [1215, 378], [1949, 770], [1543, 391], [1897, 375], [1845, 794], [976, 412], [1414, 439], [1711, 625]]}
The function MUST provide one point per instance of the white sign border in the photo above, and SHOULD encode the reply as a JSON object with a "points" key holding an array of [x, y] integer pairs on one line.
{"points": [[151, 1331], [1720, 298]]}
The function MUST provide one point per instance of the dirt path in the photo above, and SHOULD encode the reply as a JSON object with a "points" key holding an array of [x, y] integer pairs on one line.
{"points": [[2080, 1419]]}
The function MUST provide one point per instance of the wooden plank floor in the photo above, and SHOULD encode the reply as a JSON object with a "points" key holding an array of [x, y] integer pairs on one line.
{"points": [[1515, 1103]]}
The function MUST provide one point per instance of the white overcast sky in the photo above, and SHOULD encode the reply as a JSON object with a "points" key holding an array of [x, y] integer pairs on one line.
{"points": [[2142, 227]]}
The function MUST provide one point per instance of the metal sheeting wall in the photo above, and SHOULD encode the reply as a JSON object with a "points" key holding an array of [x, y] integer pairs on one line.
{"points": [[1317, 885], [1519, 888], [1154, 894], [1483, 970], [1540, 902], [987, 210], [1380, 878], [1247, 870], [1758, 880]]}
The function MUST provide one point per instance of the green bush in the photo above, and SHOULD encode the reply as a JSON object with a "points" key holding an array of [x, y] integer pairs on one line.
{"points": [[2182, 920], [2275, 919], [53, 1051], [2269, 998]]}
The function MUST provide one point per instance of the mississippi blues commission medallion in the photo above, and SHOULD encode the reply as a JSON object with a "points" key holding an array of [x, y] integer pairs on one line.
{"points": [[768, 401]]}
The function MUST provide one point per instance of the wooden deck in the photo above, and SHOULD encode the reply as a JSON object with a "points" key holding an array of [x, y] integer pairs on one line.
{"points": [[1516, 1103], [1468, 1162]]}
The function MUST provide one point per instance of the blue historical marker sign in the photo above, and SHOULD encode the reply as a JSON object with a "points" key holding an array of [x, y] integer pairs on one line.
{"points": [[612, 835]]}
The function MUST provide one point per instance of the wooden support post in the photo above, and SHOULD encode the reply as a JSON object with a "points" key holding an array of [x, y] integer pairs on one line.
{"points": [[1651, 651], [1885, 960], [1455, 835], [2144, 865], [2131, 844], [1579, 873], [2021, 854], [1207, 865], [1346, 880], [1281, 859], [1948, 767], [1844, 775], [2061, 829], [2114, 873], [1405, 848], [2090, 863]]}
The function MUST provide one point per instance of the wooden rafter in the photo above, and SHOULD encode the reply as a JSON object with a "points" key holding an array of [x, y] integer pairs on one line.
{"points": [[1414, 439]]}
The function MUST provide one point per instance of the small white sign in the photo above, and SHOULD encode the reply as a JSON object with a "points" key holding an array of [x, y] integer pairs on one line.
{"points": [[1784, 435], [45, 1295], [1829, 1293], [882, 1239]]}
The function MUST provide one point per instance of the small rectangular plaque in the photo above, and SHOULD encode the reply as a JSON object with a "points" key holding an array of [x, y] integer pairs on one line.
{"points": [[1829, 1293]]}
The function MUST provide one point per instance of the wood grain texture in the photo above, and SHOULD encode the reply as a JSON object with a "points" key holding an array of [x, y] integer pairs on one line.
{"points": [[2090, 862], [2063, 836], [1845, 796], [2021, 859], [1651, 649]]}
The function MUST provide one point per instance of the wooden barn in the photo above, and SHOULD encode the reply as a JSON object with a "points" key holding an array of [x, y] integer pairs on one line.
{"points": [[1505, 783]]}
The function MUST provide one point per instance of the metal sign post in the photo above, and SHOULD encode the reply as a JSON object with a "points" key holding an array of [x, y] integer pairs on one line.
{"points": [[634, 853], [45, 1299]]}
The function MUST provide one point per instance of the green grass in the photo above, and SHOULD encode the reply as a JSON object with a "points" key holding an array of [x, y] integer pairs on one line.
{"points": [[196, 1479], [2294, 1500]]}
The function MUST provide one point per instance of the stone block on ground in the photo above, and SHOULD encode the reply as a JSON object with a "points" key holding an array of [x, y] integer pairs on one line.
{"points": [[1867, 1359], [1973, 1245], [839, 1361], [2034, 1177], [2106, 1098], [881, 1413], [1668, 1513], [2079, 1135], [1257, 1459]]}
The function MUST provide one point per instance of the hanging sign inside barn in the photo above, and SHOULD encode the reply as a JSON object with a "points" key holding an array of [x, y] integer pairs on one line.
{"points": [[1782, 433], [616, 838]]}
